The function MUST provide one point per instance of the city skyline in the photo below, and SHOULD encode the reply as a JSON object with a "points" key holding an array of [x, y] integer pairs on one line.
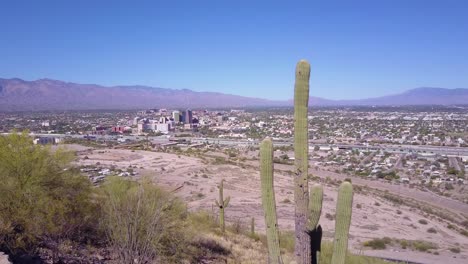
{"points": [[356, 51]]}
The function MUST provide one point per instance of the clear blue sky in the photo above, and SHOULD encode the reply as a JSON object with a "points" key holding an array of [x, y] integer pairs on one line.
{"points": [[356, 48]]}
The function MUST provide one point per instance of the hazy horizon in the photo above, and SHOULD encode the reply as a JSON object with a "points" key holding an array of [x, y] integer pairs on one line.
{"points": [[357, 50]]}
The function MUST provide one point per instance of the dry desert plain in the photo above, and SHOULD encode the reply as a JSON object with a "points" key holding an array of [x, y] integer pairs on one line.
{"points": [[198, 174]]}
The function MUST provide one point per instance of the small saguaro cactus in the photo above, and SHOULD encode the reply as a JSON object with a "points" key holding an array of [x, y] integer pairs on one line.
{"points": [[344, 207], [268, 201], [252, 226], [222, 204]]}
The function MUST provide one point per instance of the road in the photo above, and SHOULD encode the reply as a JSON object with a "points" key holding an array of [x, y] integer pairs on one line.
{"points": [[422, 150]]}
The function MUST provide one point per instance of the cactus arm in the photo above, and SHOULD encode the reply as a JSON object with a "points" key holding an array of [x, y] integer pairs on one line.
{"points": [[222, 204], [221, 189], [268, 201], [301, 149], [315, 205], [344, 209], [226, 201]]}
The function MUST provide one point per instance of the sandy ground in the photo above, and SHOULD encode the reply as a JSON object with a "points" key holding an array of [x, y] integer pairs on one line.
{"points": [[200, 179]]}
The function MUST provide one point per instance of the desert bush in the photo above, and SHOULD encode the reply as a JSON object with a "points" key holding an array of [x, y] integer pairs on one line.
{"points": [[143, 222], [432, 230], [287, 241], [423, 221], [327, 251], [465, 223], [455, 250], [40, 199], [237, 227], [378, 243], [330, 216], [464, 232], [423, 245]]}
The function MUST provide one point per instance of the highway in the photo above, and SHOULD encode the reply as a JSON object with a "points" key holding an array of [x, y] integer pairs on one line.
{"points": [[403, 149]]}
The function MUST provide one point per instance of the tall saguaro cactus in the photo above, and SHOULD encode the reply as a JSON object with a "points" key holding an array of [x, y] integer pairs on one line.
{"points": [[301, 151], [308, 207], [268, 201], [344, 207], [222, 204]]}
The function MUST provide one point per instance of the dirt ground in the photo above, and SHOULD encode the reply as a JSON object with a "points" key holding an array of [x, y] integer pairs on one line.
{"points": [[200, 178]]}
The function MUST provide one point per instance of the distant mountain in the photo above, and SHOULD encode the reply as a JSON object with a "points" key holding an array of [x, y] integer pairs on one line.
{"points": [[418, 96], [47, 94]]}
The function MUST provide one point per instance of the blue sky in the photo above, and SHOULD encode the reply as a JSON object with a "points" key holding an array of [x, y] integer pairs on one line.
{"points": [[356, 48]]}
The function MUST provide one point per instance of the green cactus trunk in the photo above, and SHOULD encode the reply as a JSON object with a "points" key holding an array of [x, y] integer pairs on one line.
{"points": [[252, 226], [268, 201], [301, 149], [344, 207], [222, 204]]}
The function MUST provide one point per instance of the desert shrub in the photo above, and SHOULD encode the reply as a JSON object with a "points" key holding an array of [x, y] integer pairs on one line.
{"points": [[330, 216], [358, 206], [378, 243], [202, 221], [327, 252], [465, 223], [423, 221], [422, 245], [40, 199], [432, 230], [287, 241], [455, 250], [377, 204], [403, 244], [143, 222], [464, 232], [237, 227]]}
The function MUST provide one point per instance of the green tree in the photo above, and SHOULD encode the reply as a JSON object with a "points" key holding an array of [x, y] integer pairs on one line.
{"points": [[39, 197]]}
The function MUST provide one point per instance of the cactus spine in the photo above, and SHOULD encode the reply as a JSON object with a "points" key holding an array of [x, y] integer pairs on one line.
{"points": [[344, 207], [301, 151], [222, 204], [268, 201]]}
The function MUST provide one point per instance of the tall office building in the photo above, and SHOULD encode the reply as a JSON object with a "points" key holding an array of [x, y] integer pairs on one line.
{"points": [[176, 116], [188, 117]]}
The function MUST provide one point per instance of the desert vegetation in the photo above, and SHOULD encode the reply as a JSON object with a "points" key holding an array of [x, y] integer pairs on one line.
{"points": [[49, 211]]}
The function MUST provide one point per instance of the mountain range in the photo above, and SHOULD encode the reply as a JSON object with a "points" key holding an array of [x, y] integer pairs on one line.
{"points": [[47, 94]]}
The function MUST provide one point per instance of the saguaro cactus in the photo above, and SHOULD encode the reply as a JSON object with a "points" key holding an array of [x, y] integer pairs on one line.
{"points": [[252, 226], [344, 207], [222, 204], [307, 207], [301, 151], [268, 201]]}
